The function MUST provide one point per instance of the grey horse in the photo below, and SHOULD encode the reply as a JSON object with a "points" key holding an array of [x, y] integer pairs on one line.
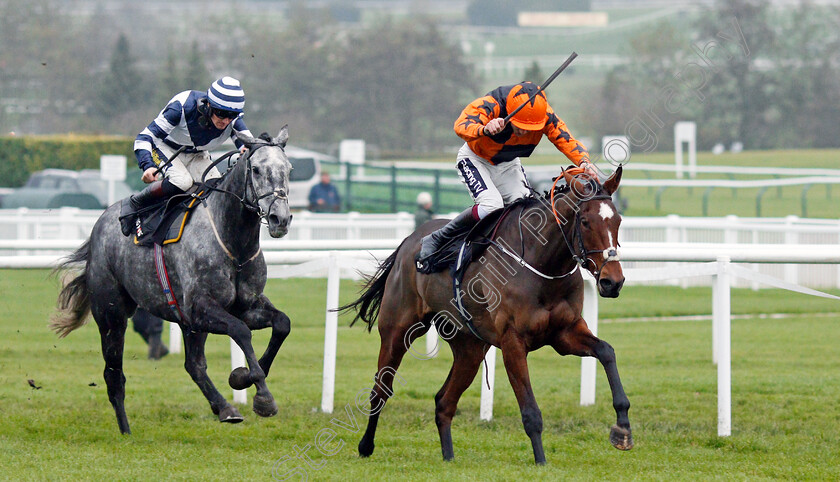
{"points": [[217, 274]]}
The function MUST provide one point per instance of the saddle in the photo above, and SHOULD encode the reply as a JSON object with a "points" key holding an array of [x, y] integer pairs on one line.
{"points": [[164, 223], [461, 250]]}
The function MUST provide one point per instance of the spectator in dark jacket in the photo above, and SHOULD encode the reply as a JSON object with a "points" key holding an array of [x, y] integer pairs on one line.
{"points": [[323, 197]]}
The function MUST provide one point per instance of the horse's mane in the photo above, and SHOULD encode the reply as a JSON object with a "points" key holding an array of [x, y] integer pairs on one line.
{"points": [[560, 191]]}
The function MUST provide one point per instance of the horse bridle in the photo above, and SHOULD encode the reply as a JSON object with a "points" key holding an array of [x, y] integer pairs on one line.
{"points": [[580, 254], [254, 204]]}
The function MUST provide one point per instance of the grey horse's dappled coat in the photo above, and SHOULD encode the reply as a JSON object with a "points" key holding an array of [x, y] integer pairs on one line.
{"points": [[217, 274]]}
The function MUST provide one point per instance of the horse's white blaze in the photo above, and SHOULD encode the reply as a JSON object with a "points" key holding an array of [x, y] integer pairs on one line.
{"points": [[605, 211]]}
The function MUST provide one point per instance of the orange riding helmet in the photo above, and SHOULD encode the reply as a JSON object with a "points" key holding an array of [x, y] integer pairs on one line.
{"points": [[531, 117]]}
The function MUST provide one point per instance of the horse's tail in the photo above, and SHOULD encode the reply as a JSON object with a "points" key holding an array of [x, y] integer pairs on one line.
{"points": [[367, 306], [74, 299]]}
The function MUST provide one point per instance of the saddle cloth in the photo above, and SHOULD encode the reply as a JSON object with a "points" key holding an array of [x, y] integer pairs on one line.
{"points": [[164, 223]]}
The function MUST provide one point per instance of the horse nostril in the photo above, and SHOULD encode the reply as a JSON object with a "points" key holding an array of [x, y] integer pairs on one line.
{"points": [[610, 288]]}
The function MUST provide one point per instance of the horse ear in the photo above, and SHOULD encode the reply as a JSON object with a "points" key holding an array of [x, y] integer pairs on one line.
{"points": [[244, 138], [611, 184], [283, 136]]}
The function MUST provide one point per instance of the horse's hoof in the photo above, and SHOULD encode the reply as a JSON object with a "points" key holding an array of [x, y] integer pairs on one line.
{"points": [[365, 450], [621, 438], [240, 379], [230, 414], [265, 406]]}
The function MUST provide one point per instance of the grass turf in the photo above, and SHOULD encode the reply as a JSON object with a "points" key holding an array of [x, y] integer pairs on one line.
{"points": [[785, 389]]}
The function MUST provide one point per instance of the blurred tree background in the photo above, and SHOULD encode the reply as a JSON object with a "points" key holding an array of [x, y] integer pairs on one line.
{"points": [[398, 77]]}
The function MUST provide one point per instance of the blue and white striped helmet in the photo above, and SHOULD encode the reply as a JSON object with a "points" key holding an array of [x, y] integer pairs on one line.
{"points": [[226, 94]]}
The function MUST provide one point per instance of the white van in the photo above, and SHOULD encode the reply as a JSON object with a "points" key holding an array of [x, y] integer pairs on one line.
{"points": [[306, 171]]}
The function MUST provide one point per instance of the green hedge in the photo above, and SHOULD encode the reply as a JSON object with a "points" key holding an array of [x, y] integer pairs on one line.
{"points": [[20, 156]]}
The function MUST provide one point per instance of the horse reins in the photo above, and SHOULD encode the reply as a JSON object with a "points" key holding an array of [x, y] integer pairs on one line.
{"points": [[254, 205], [582, 255], [251, 206]]}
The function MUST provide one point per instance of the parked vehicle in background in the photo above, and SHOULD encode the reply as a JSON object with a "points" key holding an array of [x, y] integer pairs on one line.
{"points": [[55, 188]]}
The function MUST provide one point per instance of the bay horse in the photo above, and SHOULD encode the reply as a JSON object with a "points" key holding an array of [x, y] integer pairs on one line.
{"points": [[523, 293], [216, 274]]}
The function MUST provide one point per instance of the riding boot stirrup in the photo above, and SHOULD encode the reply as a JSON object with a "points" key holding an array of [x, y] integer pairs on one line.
{"points": [[152, 194], [433, 242]]}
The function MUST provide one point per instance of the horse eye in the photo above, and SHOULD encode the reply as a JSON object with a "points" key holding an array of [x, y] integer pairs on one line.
{"points": [[584, 222], [257, 171]]}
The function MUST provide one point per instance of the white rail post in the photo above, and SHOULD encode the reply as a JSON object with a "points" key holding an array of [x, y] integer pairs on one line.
{"points": [[66, 227], [674, 234], [791, 239], [587, 363], [330, 334], [432, 342], [685, 132], [486, 408], [837, 279], [721, 317], [22, 228], [237, 359], [174, 338]]}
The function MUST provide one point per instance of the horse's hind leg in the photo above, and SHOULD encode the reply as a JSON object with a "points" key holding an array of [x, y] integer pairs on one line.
{"points": [[196, 365], [515, 354], [468, 353], [112, 327], [396, 339], [581, 342]]}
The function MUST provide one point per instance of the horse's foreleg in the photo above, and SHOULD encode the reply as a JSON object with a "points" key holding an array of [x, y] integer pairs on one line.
{"points": [[581, 342], [208, 316], [516, 365], [620, 435], [196, 365], [468, 354], [396, 340], [263, 314], [112, 333]]}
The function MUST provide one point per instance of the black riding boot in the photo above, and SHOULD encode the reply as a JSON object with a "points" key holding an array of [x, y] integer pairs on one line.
{"points": [[154, 193], [433, 242], [157, 349]]}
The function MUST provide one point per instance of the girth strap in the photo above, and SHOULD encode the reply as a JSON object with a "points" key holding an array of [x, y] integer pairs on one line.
{"points": [[163, 277], [457, 278]]}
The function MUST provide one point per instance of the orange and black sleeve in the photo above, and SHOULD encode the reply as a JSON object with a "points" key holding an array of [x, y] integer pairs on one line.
{"points": [[470, 124], [558, 133]]}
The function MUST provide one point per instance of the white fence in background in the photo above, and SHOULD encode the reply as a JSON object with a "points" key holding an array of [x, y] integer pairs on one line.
{"points": [[784, 253], [36, 228], [75, 223]]}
